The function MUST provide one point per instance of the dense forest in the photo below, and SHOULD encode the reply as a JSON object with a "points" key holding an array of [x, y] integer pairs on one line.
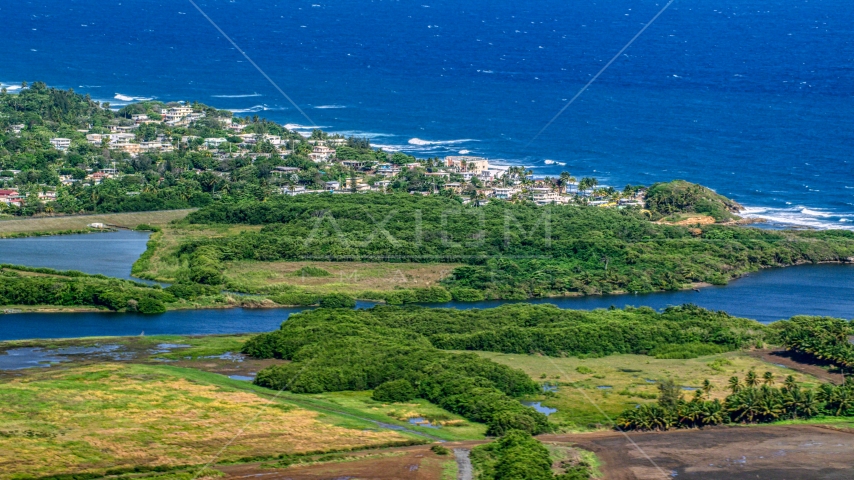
{"points": [[822, 338], [384, 347], [42, 286], [513, 250]]}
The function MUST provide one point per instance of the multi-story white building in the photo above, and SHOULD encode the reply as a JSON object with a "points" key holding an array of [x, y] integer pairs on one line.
{"points": [[544, 196], [467, 164], [61, 144]]}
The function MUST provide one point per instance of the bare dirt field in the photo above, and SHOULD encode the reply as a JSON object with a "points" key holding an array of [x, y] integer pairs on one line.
{"points": [[785, 452], [79, 222]]}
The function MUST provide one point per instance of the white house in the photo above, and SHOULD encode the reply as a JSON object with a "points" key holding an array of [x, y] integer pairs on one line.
{"points": [[504, 193], [544, 196], [61, 144], [214, 142]]}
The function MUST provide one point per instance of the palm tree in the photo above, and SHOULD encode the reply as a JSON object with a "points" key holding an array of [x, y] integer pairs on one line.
{"points": [[565, 179], [789, 383], [707, 387], [751, 380], [841, 400], [734, 384], [713, 413], [768, 378]]}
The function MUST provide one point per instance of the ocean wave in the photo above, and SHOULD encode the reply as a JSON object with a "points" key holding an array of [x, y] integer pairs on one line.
{"points": [[464, 152], [420, 142], [128, 98], [326, 107], [801, 216], [255, 109], [554, 162], [387, 148], [360, 134], [238, 96]]}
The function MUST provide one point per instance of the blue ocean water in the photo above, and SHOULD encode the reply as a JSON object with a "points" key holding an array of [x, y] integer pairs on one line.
{"points": [[750, 97]]}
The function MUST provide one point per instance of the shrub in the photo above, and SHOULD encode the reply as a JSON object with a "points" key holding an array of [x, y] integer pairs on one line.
{"points": [[440, 450], [150, 305], [144, 227], [313, 272], [337, 300], [394, 391]]}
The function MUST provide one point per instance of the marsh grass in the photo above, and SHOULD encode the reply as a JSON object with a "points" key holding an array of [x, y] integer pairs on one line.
{"points": [[633, 380], [31, 225]]}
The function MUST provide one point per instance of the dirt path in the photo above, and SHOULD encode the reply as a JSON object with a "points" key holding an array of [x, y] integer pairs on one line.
{"points": [[798, 363], [790, 452], [464, 470]]}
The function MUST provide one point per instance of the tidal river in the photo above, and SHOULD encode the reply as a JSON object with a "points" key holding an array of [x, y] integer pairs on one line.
{"points": [[766, 296]]}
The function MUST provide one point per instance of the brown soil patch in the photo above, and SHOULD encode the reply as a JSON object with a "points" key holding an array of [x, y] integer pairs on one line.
{"points": [[798, 363], [791, 452], [695, 220]]}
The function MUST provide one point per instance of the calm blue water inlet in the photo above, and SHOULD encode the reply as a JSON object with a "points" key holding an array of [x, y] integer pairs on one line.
{"points": [[111, 254]]}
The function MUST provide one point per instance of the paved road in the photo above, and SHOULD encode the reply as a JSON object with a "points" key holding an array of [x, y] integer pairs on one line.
{"points": [[464, 471]]}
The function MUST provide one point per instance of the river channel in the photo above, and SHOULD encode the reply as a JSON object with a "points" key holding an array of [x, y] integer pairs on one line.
{"points": [[766, 296]]}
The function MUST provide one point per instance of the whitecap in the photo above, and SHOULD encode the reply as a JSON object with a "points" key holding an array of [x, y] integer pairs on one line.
{"points": [[387, 148], [324, 107], [815, 213], [254, 109], [420, 142], [554, 162], [464, 152], [238, 96], [127, 98]]}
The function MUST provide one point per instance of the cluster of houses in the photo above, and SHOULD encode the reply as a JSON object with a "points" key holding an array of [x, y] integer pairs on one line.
{"points": [[14, 198], [474, 176]]}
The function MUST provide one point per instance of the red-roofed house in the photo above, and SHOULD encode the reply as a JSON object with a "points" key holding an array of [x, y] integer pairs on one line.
{"points": [[11, 197]]}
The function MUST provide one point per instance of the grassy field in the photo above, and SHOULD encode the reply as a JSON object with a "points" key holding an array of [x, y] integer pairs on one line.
{"points": [[252, 276], [343, 277], [19, 225], [584, 401], [88, 418]]}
